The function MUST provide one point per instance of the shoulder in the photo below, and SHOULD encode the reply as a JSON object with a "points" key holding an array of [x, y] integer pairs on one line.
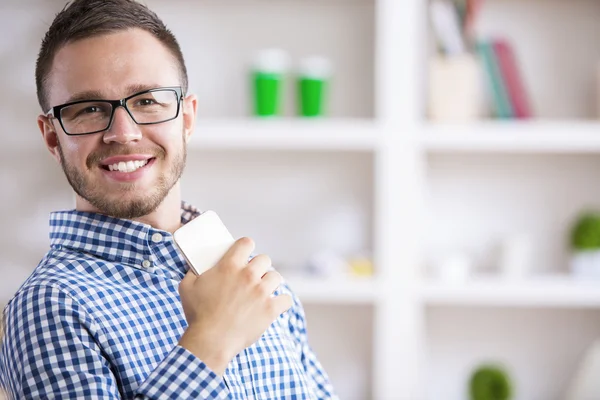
{"points": [[59, 274], [36, 303]]}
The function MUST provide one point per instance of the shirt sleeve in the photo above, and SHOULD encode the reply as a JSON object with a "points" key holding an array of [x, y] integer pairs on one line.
{"points": [[50, 350], [316, 375]]}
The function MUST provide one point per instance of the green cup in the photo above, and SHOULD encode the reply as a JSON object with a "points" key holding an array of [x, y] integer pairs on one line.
{"points": [[312, 92], [267, 77], [267, 93], [313, 86]]}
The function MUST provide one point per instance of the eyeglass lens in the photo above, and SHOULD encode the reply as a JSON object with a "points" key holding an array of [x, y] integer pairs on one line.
{"points": [[146, 108]]}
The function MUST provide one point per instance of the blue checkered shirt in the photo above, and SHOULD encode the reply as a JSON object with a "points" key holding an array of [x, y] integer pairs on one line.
{"points": [[101, 317]]}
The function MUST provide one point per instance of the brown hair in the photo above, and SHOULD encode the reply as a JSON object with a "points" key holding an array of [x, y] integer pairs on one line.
{"points": [[87, 18]]}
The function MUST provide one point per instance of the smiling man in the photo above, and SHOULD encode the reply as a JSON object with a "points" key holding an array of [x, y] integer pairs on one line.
{"points": [[112, 311]]}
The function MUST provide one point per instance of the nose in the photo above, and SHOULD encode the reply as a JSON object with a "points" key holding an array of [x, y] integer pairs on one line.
{"points": [[123, 129]]}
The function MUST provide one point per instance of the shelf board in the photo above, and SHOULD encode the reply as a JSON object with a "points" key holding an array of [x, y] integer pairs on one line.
{"points": [[286, 134], [513, 137], [554, 291], [340, 290]]}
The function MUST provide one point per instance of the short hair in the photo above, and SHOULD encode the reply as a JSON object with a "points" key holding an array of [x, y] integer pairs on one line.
{"points": [[84, 19]]}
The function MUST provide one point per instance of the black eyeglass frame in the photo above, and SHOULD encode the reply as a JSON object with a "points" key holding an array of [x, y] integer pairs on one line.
{"points": [[54, 112]]}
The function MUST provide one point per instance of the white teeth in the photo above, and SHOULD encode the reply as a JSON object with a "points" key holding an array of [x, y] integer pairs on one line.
{"points": [[128, 166]]}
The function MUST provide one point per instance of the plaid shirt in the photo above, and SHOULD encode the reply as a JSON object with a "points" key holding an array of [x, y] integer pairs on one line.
{"points": [[101, 317]]}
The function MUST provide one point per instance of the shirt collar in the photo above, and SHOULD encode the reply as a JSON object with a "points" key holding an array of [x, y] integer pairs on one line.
{"points": [[118, 240]]}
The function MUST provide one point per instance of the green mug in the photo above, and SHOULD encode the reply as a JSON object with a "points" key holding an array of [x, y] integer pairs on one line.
{"points": [[267, 77], [313, 83]]}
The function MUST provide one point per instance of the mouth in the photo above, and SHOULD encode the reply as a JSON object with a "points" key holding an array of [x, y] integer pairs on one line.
{"points": [[127, 166]]}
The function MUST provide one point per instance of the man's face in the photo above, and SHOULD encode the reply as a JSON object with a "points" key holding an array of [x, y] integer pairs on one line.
{"points": [[112, 67]]}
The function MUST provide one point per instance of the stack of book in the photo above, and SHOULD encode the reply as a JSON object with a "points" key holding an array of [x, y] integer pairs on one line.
{"points": [[508, 94], [454, 26]]}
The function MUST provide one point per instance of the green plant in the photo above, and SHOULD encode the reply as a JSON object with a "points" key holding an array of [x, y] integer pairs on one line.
{"points": [[585, 233], [490, 382]]}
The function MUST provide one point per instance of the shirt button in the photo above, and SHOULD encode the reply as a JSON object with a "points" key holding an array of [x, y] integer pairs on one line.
{"points": [[146, 263], [157, 237]]}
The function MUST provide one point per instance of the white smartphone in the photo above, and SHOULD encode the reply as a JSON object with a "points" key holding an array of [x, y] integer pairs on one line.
{"points": [[203, 241]]}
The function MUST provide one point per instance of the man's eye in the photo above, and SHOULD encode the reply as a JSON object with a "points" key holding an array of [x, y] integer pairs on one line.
{"points": [[146, 102], [90, 110], [87, 111]]}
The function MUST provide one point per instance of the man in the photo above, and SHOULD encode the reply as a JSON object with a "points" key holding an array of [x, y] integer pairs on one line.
{"points": [[112, 310]]}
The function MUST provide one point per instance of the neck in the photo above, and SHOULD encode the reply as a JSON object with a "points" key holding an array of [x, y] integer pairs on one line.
{"points": [[167, 216]]}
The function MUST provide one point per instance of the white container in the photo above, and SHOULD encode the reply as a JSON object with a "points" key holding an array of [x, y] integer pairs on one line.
{"points": [[455, 268], [272, 60], [456, 89], [315, 67], [586, 264]]}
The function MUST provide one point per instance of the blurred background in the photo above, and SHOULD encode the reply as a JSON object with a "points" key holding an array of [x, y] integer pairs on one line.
{"points": [[423, 173]]}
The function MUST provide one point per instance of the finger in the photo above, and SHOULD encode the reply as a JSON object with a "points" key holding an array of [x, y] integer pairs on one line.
{"points": [[260, 265], [279, 304], [271, 281], [240, 251]]}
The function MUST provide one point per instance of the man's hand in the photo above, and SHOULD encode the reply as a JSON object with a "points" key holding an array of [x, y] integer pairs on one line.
{"points": [[230, 306]]}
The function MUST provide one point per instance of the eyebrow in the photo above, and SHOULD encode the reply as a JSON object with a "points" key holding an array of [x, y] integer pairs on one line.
{"points": [[97, 95]]}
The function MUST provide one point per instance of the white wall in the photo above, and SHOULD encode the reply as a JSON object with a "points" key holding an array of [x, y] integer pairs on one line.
{"points": [[476, 201], [557, 47], [32, 183]]}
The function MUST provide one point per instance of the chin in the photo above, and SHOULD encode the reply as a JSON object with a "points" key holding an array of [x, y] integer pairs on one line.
{"points": [[126, 203], [128, 209]]}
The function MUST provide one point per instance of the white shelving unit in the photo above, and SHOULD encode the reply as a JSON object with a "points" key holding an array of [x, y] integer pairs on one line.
{"points": [[350, 290], [375, 176], [512, 137], [547, 291], [486, 180], [287, 135]]}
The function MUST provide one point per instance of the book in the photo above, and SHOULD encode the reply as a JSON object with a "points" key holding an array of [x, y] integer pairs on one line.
{"points": [[501, 102], [446, 25], [512, 79]]}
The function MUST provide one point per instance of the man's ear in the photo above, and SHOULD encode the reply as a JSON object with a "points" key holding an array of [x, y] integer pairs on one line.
{"points": [[49, 135], [190, 108]]}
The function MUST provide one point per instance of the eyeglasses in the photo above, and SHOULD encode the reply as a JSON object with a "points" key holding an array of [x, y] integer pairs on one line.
{"points": [[149, 107]]}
